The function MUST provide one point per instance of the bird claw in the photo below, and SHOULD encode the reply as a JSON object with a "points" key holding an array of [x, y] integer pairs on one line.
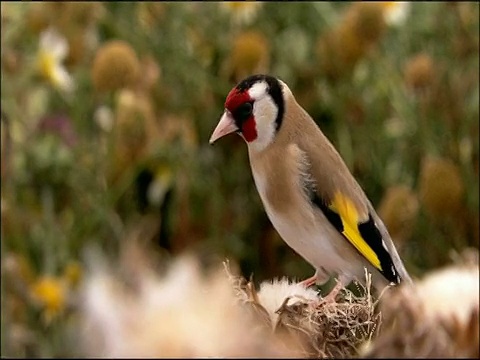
{"points": [[328, 299]]}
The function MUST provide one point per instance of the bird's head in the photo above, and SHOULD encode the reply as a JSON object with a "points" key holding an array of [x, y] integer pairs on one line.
{"points": [[254, 109]]}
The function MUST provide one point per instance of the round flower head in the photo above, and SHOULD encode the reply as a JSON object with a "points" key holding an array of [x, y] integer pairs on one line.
{"points": [[419, 71], [50, 293], [441, 187], [398, 209], [115, 66], [366, 21], [250, 54], [340, 49]]}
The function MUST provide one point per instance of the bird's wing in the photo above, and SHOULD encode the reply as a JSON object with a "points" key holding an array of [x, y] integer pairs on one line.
{"points": [[360, 231]]}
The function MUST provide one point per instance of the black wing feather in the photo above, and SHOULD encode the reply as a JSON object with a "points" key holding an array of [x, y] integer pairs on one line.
{"points": [[368, 230]]}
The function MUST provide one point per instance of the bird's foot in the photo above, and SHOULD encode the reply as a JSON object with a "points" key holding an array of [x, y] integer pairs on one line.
{"points": [[329, 299], [320, 277], [332, 295]]}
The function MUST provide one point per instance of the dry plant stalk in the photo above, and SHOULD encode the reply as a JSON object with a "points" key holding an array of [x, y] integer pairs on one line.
{"points": [[184, 312], [437, 317], [316, 329], [188, 312]]}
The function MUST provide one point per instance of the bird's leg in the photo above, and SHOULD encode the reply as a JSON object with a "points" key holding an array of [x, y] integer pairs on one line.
{"points": [[320, 277], [330, 298], [310, 281], [341, 280], [333, 293]]}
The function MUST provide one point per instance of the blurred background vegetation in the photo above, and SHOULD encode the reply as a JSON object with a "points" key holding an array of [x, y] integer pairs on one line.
{"points": [[107, 108]]}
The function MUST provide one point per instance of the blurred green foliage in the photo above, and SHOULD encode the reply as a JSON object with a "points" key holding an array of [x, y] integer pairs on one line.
{"points": [[94, 165]]}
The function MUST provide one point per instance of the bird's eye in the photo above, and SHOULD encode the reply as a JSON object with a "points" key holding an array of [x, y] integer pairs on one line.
{"points": [[243, 112]]}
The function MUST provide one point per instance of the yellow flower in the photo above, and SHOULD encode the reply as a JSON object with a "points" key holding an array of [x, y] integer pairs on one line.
{"points": [[50, 293], [395, 12], [53, 49]]}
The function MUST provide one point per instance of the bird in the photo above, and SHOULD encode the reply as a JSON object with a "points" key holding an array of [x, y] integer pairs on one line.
{"points": [[308, 193]]}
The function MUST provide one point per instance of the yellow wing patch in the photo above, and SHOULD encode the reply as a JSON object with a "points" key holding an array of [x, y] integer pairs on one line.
{"points": [[349, 216]]}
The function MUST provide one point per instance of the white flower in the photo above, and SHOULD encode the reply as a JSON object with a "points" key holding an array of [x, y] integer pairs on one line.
{"points": [[395, 12], [242, 12], [53, 49], [104, 118]]}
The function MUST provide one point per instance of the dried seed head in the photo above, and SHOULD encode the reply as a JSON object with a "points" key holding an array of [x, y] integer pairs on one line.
{"points": [[419, 72], [441, 187], [366, 19], [435, 317], [182, 313], [398, 210], [115, 66], [250, 54], [343, 46]]}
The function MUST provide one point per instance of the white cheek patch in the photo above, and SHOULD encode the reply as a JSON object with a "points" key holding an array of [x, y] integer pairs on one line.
{"points": [[265, 112], [258, 90]]}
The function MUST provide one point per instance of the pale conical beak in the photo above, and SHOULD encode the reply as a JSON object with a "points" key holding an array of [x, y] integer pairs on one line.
{"points": [[225, 126]]}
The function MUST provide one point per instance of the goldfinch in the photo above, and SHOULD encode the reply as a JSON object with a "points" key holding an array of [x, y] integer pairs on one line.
{"points": [[308, 193]]}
